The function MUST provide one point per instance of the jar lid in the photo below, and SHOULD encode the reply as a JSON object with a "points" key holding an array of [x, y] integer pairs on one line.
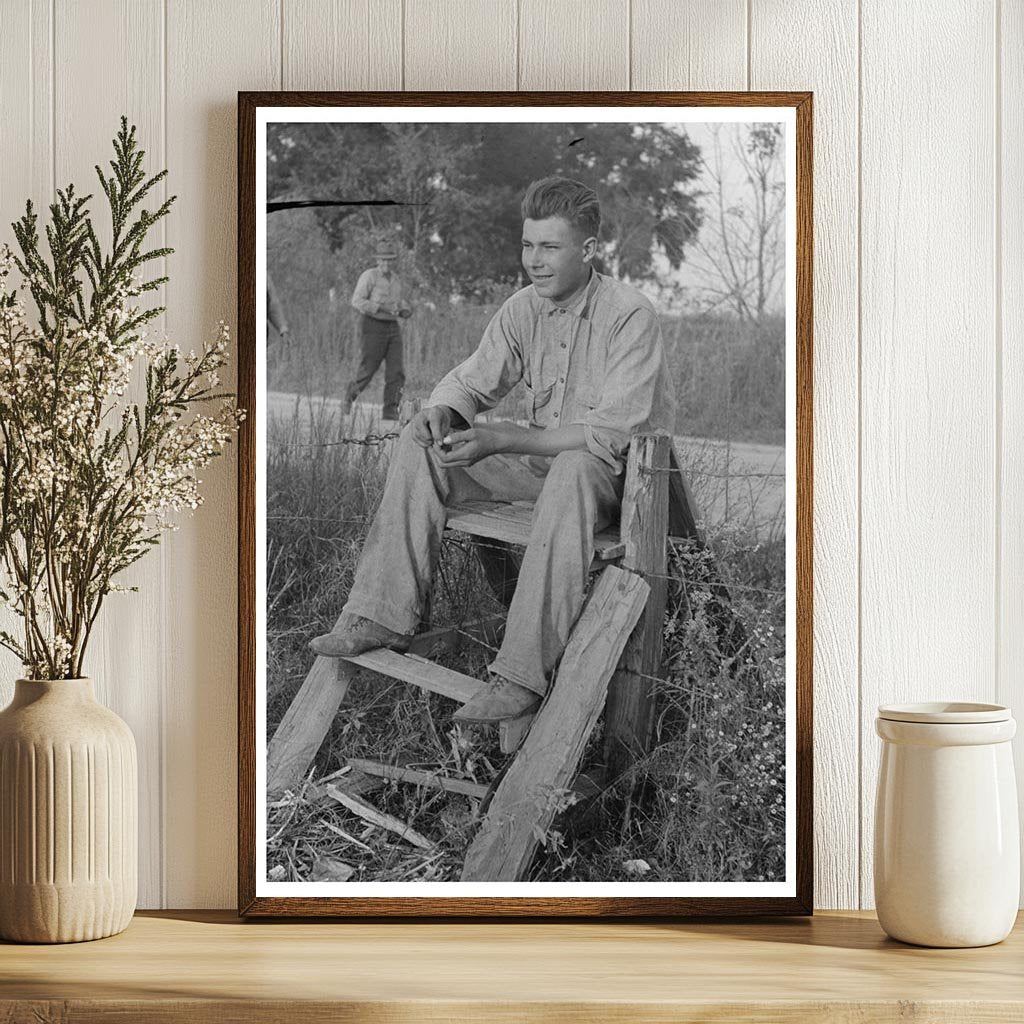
{"points": [[945, 713]]}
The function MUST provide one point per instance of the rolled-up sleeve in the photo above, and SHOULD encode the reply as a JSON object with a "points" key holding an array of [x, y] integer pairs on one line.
{"points": [[634, 371], [481, 381], [361, 297]]}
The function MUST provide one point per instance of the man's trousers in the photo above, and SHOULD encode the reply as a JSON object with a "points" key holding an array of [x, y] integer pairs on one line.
{"points": [[380, 341], [575, 494]]}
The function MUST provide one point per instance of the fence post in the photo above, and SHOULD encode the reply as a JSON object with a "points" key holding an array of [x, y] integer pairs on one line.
{"points": [[629, 716]]}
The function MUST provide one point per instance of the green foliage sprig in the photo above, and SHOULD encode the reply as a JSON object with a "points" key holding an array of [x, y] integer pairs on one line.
{"points": [[88, 477]]}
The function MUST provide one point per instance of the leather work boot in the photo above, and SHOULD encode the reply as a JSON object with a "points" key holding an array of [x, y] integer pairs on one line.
{"points": [[498, 700], [356, 636]]}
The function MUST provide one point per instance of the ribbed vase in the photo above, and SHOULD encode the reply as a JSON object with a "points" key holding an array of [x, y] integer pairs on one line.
{"points": [[68, 815]]}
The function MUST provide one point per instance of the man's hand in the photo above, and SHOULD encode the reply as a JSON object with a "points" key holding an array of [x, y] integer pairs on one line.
{"points": [[429, 426], [469, 446], [404, 312]]}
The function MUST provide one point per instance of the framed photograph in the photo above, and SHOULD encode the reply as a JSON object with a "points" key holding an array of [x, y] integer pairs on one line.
{"points": [[525, 504]]}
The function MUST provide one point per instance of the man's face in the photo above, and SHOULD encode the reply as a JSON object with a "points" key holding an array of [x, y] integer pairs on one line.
{"points": [[556, 257], [385, 264]]}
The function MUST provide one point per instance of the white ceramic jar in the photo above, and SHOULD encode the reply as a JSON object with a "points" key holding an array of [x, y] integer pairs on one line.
{"points": [[947, 846]]}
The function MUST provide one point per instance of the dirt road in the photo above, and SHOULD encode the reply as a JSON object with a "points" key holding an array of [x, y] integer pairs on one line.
{"points": [[741, 483]]}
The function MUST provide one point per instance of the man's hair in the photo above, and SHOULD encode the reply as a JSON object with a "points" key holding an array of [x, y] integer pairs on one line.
{"points": [[563, 197]]}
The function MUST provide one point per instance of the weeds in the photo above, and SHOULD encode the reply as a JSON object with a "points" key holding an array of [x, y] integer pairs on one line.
{"points": [[730, 378], [708, 801]]}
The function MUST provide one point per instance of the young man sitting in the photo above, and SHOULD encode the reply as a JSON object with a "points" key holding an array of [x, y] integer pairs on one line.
{"points": [[589, 352]]}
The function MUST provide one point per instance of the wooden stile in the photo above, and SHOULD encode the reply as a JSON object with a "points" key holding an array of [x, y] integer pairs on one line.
{"points": [[603, 646], [629, 718], [306, 723], [527, 799]]}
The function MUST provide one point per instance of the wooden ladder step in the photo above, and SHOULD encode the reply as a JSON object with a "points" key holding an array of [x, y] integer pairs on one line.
{"points": [[428, 675], [511, 521]]}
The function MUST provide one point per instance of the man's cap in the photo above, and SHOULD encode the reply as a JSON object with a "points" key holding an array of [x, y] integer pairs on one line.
{"points": [[387, 251]]}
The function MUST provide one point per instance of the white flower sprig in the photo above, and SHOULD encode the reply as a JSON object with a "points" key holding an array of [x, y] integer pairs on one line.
{"points": [[89, 478]]}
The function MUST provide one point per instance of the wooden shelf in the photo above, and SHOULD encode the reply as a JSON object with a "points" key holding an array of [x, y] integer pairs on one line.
{"points": [[197, 966]]}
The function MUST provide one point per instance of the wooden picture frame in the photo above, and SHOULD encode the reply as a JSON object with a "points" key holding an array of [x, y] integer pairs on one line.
{"points": [[656, 479]]}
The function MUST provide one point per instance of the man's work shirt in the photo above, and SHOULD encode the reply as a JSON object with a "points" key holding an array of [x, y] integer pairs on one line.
{"points": [[601, 364], [375, 293]]}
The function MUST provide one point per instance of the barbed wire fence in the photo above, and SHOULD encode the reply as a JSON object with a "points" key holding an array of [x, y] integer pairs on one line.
{"points": [[721, 588]]}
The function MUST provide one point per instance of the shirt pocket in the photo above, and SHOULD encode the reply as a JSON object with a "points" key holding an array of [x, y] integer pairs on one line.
{"points": [[537, 398]]}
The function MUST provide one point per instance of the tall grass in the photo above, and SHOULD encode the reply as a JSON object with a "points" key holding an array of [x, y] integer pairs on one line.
{"points": [[729, 376], [710, 806]]}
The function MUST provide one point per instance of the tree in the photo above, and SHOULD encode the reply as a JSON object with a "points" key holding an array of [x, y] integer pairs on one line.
{"points": [[740, 254], [458, 188]]}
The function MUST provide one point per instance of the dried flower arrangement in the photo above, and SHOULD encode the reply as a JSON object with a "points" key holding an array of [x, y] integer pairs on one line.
{"points": [[89, 477]]}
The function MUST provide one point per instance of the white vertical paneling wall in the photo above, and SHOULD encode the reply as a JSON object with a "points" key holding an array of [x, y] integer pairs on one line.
{"points": [[829, 68], [919, 348], [213, 50], [928, 415], [466, 45], [1008, 218], [127, 665]]}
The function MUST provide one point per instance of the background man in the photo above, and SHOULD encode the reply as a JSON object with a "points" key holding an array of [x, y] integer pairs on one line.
{"points": [[589, 351], [378, 297]]}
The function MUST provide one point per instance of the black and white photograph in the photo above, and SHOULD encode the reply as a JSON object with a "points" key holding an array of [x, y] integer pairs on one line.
{"points": [[524, 461]]}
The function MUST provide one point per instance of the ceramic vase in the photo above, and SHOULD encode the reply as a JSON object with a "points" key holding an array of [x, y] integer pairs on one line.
{"points": [[68, 815], [947, 846]]}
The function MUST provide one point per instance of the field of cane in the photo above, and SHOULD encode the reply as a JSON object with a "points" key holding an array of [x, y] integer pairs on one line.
{"points": [[706, 804], [730, 377]]}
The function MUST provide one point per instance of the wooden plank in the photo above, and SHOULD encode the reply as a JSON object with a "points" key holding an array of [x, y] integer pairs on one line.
{"points": [[410, 668], [1010, 261], [783, 56], [420, 778], [342, 44], [375, 817], [525, 800], [207, 967], [212, 51], [574, 44], [130, 670], [305, 724], [928, 366], [513, 525], [466, 45], [699, 44], [309, 717], [629, 718]]}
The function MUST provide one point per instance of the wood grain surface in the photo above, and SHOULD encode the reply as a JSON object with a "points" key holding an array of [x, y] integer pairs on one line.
{"points": [[928, 368], [1009, 104], [207, 966], [830, 70], [918, 159]]}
